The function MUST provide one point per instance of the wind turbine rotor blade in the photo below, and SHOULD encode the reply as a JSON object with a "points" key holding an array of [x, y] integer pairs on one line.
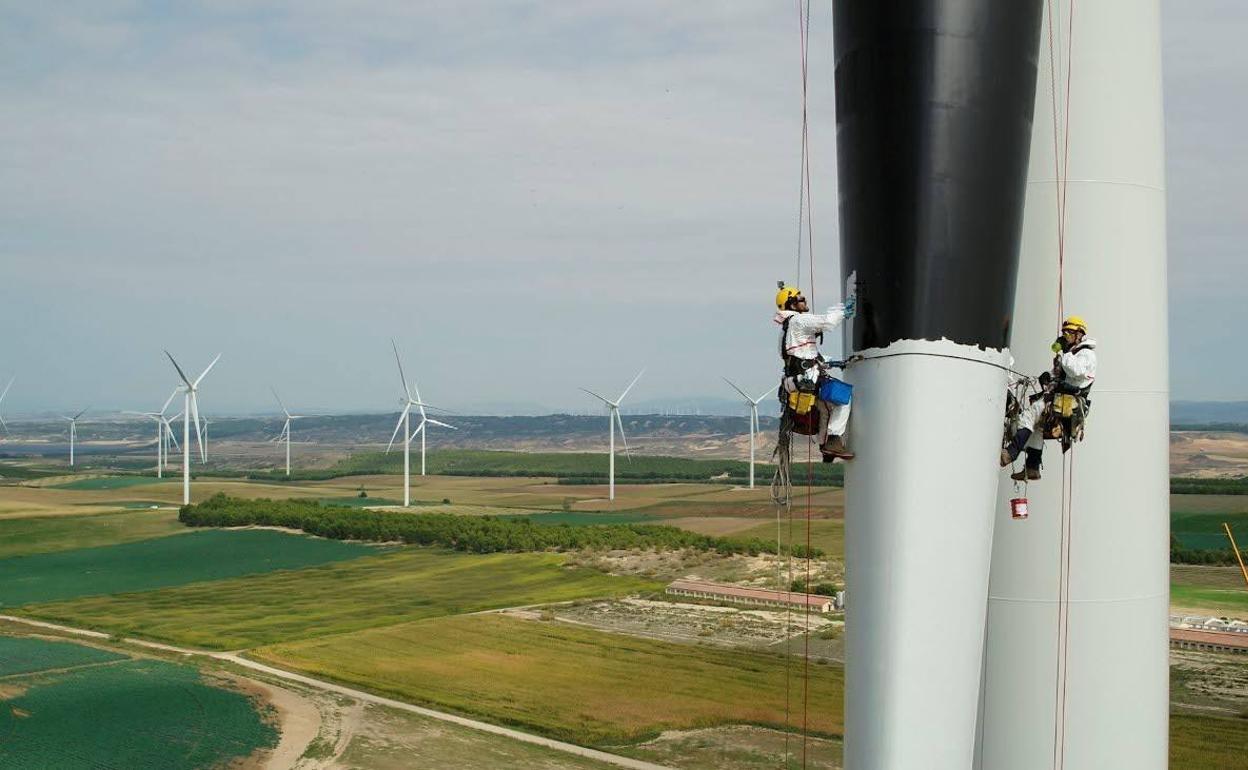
{"points": [[205, 372], [279, 401], [630, 386], [402, 377], [436, 422], [761, 396], [397, 425], [6, 387], [4, 425], [733, 385], [600, 398], [81, 413], [173, 436], [419, 428], [623, 438], [169, 400], [199, 439], [181, 373]]}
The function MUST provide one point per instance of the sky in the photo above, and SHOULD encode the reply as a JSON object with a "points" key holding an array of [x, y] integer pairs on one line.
{"points": [[528, 197]]}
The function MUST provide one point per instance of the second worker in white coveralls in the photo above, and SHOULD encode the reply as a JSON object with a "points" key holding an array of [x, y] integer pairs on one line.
{"points": [[801, 334], [1074, 371]]}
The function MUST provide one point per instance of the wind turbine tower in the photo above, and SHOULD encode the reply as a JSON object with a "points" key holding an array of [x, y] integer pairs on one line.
{"points": [[285, 434], [73, 433], [613, 419], [753, 404], [190, 407]]}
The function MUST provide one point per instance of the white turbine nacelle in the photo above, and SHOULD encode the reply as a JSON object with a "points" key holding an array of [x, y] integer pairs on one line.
{"points": [[190, 389], [285, 434], [613, 419], [73, 431], [754, 431], [405, 423]]}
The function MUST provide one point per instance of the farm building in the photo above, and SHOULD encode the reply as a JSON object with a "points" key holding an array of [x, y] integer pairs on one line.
{"points": [[704, 589], [1209, 641]]}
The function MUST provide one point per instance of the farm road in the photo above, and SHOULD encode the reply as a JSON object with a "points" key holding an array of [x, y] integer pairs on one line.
{"points": [[361, 695]]}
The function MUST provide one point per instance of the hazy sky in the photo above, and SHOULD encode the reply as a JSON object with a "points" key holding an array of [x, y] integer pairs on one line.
{"points": [[529, 196]]}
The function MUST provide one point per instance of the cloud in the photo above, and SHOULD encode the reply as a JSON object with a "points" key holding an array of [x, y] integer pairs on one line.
{"points": [[535, 194]]}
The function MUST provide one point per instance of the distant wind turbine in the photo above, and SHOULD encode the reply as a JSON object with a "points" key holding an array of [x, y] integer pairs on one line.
{"points": [[4, 424], [73, 433], [190, 410], [285, 434], [405, 423], [204, 451], [162, 424], [613, 419], [754, 431]]}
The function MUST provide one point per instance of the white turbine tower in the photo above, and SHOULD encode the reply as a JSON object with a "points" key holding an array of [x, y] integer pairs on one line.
{"points": [[4, 424], [754, 431], [73, 433], [285, 434], [405, 423], [161, 425], [613, 419], [190, 409]]}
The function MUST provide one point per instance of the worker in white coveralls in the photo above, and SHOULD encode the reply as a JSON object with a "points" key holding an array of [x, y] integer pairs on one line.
{"points": [[802, 331], [1073, 372]]}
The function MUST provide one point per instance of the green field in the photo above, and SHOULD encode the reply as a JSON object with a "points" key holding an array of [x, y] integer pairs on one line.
{"points": [[1234, 600], [134, 714], [1208, 743], [1202, 529], [167, 561], [572, 683], [44, 534], [24, 655], [827, 534], [396, 587], [109, 482]]}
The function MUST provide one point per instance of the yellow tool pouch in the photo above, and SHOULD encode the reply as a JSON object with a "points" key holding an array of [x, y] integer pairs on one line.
{"points": [[801, 403], [1064, 405]]}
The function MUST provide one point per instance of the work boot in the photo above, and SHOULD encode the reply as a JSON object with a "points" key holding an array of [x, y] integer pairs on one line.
{"points": [[835, 448], [1031, 468]]}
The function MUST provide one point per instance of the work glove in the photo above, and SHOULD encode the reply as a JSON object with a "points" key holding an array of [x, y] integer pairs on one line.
{"points": [[1045, 379], [850, 307]]}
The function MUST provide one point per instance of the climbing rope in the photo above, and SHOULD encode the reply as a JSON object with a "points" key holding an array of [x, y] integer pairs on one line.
{"points": [[1061, 163]]}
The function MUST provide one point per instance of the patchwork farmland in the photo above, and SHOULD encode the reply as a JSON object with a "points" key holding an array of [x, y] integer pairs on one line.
{"points": [[582, 661]]}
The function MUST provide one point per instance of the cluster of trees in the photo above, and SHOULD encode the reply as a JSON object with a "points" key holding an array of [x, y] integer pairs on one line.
{"points": [[820, 589], [1236, 486], [476, 534]]}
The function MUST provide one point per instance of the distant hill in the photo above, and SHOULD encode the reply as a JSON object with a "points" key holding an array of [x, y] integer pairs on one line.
{"points": [[1208, 412]]}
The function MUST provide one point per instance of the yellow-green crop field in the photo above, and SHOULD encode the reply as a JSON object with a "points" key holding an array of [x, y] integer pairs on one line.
{"points": [[404, 585], [568, 682]]}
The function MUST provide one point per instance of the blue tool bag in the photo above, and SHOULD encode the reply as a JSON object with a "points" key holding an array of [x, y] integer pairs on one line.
{"points": [[835, 391]]}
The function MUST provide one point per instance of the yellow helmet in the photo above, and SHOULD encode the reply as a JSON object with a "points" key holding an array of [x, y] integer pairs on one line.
{"points": [[785, 294], [1076, 323]]}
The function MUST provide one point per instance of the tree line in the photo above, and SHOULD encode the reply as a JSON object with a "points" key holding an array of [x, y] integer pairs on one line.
{"points": [[474, 534]]}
